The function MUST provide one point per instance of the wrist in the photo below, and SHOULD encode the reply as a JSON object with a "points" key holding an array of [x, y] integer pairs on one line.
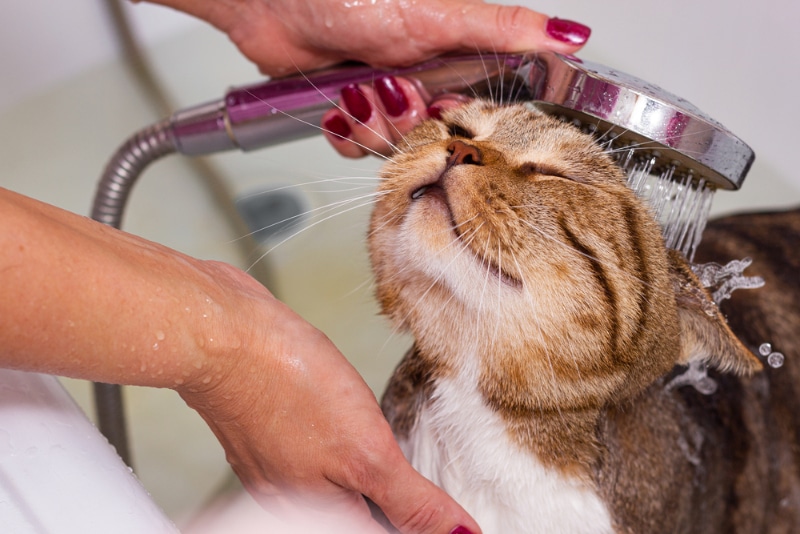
{"points": [[233, 317]]}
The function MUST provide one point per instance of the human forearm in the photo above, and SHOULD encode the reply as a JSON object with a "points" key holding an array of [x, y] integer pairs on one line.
{"points": [[62, 276]]}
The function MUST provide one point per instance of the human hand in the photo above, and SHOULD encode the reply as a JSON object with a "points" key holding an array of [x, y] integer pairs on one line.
{"points": [[289, 36], [299, 426], [372, 119]]}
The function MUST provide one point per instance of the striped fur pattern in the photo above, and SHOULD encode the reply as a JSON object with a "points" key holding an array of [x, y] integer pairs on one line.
{"points": [[547, 315]]}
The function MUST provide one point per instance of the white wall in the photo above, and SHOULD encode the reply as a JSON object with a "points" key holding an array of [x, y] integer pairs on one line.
{"points": [[44, 42]]}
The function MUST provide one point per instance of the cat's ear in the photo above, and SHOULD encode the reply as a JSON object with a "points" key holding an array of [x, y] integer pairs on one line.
{"points": [[705, 335]]}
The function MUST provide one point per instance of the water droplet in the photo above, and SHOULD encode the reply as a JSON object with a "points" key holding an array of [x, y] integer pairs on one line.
{"points": [[160, 335], [765, 349], [706, 385], [206, 380], [775, 360], [198, 364], [155, 346], [179, 381], [143, 368]]}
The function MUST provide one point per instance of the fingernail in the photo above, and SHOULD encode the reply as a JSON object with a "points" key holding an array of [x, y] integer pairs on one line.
{"points": [[461, 530], [391, 95], [337, 126], [356, 103], [435, 112], [568, 31]]}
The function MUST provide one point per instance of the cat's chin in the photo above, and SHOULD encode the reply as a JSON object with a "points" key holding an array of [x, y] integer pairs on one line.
{"points": [[438, 194]]}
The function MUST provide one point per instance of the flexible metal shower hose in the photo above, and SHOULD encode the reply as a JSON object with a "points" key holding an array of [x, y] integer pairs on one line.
{"points": [[141, 149], [125, 166], [109, 205]]}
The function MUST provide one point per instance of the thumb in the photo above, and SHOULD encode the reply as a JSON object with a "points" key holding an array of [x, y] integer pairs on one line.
{"points": [[414, 505], [500, 28]]}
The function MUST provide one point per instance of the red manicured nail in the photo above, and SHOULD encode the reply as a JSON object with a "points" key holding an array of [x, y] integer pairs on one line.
{"points": [[337, 125], [391, 95], [568, 31], [356, 103], [435, 112], [461, 530]]}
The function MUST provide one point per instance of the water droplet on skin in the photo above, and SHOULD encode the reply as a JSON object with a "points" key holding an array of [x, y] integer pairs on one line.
{"points": [[155, 346], [198, 365], [143, 368], [179, 382], [160, 335], [775, 360], [765, 349], [206, 380]]}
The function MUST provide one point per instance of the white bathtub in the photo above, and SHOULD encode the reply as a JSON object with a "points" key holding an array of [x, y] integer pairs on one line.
{"points": [[58, 474]]}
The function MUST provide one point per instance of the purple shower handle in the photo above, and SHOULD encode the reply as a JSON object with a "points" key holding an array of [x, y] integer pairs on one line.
{"points": [[281, 110]]}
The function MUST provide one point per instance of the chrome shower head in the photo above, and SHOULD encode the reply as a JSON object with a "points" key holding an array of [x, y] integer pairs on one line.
{"points": [[675, 155]]}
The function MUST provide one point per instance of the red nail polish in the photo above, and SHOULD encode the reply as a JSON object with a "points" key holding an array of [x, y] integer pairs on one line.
{"points": [[568, 31], [435, 112], [461, 530], [391, 95], [337, 125], [356, 103]]}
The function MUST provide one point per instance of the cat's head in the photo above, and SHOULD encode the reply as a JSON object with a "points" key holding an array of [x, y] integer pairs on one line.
{"points": [[509, 245]]}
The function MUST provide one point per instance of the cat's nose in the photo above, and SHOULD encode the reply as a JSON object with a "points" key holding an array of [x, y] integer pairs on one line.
{"points": [[462, 153]]}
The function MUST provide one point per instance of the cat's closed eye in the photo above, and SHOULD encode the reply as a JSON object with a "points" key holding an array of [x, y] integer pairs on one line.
{"points": [[543, 170], [456, 130]]}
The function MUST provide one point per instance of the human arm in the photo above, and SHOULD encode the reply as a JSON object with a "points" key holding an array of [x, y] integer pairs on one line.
{"points": [[298, 424]]}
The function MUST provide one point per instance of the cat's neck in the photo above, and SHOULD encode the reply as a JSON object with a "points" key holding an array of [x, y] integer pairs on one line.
{"points": [[562, 438], [533, 473], [565, 440]]}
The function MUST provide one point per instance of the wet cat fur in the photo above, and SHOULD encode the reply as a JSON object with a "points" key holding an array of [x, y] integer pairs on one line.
{"points": [[537, 287]]}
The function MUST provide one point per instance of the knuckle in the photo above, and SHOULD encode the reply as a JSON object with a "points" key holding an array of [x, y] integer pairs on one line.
{"points": [[424, 517]]}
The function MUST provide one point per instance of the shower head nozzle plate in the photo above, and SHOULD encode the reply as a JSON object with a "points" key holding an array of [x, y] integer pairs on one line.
{"points": [[640, 115]]}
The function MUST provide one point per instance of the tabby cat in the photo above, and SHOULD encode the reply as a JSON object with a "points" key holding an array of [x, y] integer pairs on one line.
{"points": [[549, 321]]}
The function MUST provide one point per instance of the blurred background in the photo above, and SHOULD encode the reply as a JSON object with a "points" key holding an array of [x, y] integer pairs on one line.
{"points": [[68, 99]]}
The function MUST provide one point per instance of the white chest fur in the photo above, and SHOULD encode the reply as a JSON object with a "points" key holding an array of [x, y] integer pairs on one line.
{"points": [[463, 447]]}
